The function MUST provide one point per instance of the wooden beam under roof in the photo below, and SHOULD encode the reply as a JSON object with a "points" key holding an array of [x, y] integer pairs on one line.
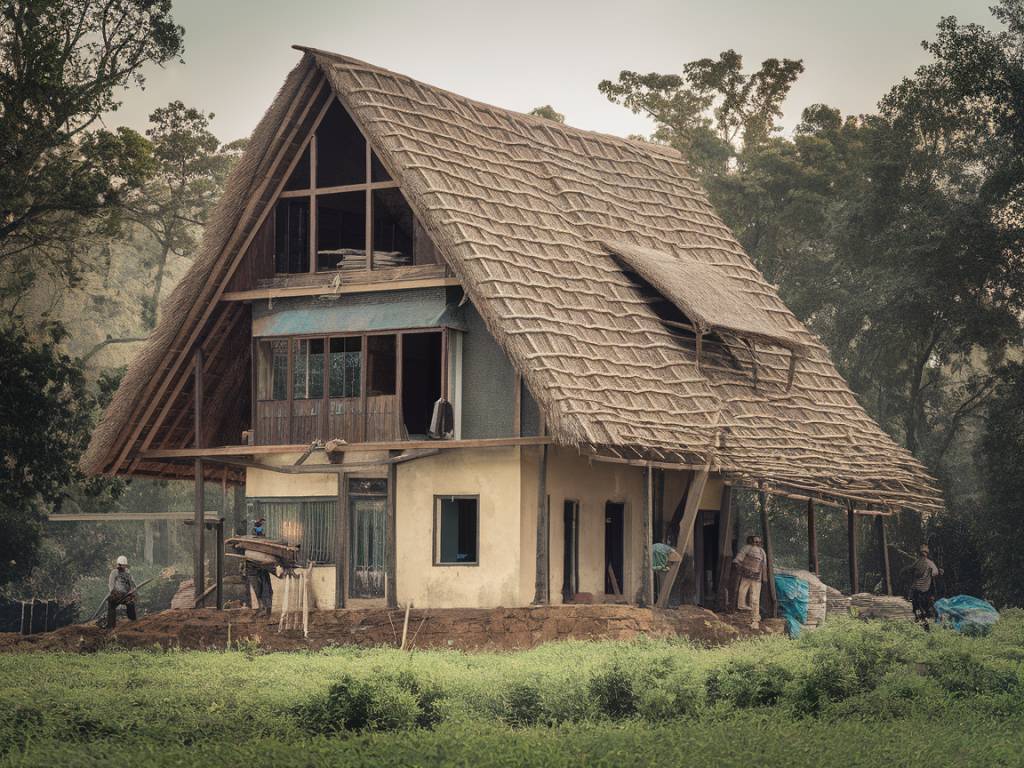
{"points": [[257, 294], [265, 450]]}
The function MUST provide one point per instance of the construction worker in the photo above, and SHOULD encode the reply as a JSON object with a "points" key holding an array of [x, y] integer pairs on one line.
{"points": [[752, 564], [258, 575], [121, 587], [922, 587]]}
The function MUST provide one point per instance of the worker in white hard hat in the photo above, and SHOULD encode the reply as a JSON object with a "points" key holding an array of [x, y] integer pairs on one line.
{"points": [[122, 591]]}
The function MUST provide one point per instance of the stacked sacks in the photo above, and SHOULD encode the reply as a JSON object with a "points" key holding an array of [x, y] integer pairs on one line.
{"points": [[868, 606], [817, 595]]}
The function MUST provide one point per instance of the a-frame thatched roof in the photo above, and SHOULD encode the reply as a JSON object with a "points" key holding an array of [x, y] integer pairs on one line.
{"points": [[564, 241]]}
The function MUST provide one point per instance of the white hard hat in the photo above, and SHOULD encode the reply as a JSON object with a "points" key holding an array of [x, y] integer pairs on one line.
{"points": [[122, 560]]}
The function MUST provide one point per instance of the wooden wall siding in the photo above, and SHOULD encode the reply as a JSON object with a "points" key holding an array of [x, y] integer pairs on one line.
{"points": [[258, 262], [344, 421]]}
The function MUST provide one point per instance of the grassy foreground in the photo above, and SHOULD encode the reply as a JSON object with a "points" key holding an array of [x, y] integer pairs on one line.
{"points": [[851, 694]]}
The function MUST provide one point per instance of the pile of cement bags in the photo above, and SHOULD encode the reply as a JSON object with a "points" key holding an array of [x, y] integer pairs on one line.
{"points": [[868, 606], [817, 594]]}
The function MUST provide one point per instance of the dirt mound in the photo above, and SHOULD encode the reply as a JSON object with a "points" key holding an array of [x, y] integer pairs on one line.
{"points": [[461, 628]]}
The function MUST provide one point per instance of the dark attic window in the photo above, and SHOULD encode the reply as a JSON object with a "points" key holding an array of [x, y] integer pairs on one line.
{"points": [[300, 178], [341, 231], [398, 238], [340, 150], [291, 235]]}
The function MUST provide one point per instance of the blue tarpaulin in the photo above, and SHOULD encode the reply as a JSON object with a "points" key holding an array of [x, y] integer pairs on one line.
{"points": [[967, 615], [793, 594]]}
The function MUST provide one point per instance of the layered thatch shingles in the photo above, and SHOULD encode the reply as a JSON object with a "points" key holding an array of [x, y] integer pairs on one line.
{"points": [[521, 209]]}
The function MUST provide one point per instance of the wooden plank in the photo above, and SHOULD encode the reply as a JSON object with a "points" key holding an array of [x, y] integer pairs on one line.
{"points": [[851, 539], [646, 514], [684, 532], [726, 523], [883, 546], [540, 594], [312, 203], [812, 539], [122, 517], [341, 541], [219, 565], [396, 445], [773, 606]]}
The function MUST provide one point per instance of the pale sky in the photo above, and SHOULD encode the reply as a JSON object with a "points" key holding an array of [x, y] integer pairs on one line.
{"points": [[523, 54]]}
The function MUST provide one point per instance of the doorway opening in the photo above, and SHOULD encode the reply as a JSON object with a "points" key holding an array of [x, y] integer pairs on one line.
{"points": [[367, 508], [571, 552], [706, 557], [421, 380], [614, 547]]}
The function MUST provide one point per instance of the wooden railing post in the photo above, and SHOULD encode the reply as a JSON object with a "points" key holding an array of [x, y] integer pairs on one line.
{"points": [[199, 553], [851, 535]]}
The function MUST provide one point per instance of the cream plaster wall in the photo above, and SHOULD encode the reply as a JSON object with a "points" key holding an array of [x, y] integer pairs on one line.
{"points": [[491, 474], [261, 483], [322, 590]]}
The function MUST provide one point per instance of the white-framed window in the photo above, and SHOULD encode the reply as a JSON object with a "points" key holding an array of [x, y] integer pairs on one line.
{"points": [[456, 530]]}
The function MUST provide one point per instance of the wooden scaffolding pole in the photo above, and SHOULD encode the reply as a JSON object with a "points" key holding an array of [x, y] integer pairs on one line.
{"points": [[198, 553], [812, 539], [694, 492], [540, 594], [773, 597], [883, 546], [851, 536], [725, 553], [646, 596], [341, 541]]}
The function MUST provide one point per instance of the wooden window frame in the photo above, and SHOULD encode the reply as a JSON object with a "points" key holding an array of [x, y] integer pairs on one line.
{"points": [[436, 530], [325, 399], [368, 186]]}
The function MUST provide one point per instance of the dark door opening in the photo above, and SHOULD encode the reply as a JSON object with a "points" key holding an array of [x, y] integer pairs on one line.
{"points": [[571, 552], [614, 547], [706, 560], [421, 380]]}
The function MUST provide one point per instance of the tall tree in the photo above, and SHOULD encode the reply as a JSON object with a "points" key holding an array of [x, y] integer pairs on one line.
{"points": [[62, 65]]}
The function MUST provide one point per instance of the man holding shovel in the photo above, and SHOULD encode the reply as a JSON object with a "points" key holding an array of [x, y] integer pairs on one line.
{"points": [[122, 590]]}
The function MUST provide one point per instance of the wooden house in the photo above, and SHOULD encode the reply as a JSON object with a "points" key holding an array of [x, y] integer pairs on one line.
{"points": [[467, 357]]}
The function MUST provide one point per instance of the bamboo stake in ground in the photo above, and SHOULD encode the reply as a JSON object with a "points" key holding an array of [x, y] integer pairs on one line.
{"points": [[284, 603], [405, 625]]}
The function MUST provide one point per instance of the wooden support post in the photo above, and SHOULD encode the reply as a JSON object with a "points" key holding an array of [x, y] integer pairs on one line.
{"points": [[773, 606], [725, 553], [646, 596], [238, 515], [694, 492], [540, 593], [198, 553], [851, 535], [812, 539], [883, 547], [517, 406], [391, 560], [658, 533], [219, 565]]}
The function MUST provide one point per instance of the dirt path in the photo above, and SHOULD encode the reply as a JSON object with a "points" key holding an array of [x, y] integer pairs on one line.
{"points": [[462, 629]]}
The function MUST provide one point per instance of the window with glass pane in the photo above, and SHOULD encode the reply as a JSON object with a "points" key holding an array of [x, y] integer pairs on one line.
{"points": [[456, 530], [308, 369], [299, 179], [380, 365], [346, 366], [340, 150], [341, 231], [272, 378], [291, 235]]}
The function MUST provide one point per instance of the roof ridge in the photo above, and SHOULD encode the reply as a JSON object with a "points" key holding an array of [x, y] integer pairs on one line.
{"points": [[659, 150]]}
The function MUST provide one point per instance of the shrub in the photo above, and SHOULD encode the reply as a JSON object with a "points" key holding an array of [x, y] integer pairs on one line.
{"points": [[744, 683], [900, 694], [382, 703], [831, 677], [963, 673], [612, 692], [522, 704]]}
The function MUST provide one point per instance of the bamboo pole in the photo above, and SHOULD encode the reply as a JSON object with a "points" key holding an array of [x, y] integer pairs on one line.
{"points": [[540, 593]]}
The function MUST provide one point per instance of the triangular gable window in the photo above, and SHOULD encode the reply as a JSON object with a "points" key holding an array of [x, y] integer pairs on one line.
{"points": [[341, 210]]}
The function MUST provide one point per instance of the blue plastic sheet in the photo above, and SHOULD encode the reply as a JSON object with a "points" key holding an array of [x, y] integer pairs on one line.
{"points": [[793, 596], [967, 615]]}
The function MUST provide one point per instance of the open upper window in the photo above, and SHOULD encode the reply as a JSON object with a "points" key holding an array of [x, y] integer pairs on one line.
{"points": [[341, 209]]}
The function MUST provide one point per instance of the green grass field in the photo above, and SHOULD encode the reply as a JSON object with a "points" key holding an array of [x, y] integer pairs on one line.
{"points": [[851, 694]]}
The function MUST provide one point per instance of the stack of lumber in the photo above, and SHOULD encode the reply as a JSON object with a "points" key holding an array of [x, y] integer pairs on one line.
{"points": [[837, 602], [261, 550], [353, 258], [817, 598], [868, 606]]}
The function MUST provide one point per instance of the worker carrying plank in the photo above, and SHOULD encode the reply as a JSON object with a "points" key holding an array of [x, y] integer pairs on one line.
{"points": [[121, 587], [257, 574], [922, 588], [752, 564]]}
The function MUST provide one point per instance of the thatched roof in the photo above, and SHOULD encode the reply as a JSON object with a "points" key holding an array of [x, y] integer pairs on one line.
{"points": [[521, 209]]}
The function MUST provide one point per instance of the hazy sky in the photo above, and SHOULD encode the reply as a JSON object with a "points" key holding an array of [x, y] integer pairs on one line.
{"points": [[527, 53]]}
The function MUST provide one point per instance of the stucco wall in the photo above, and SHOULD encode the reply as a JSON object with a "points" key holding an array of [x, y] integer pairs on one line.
{"points": [[322, 590], [493, 475], [261, 483]]}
